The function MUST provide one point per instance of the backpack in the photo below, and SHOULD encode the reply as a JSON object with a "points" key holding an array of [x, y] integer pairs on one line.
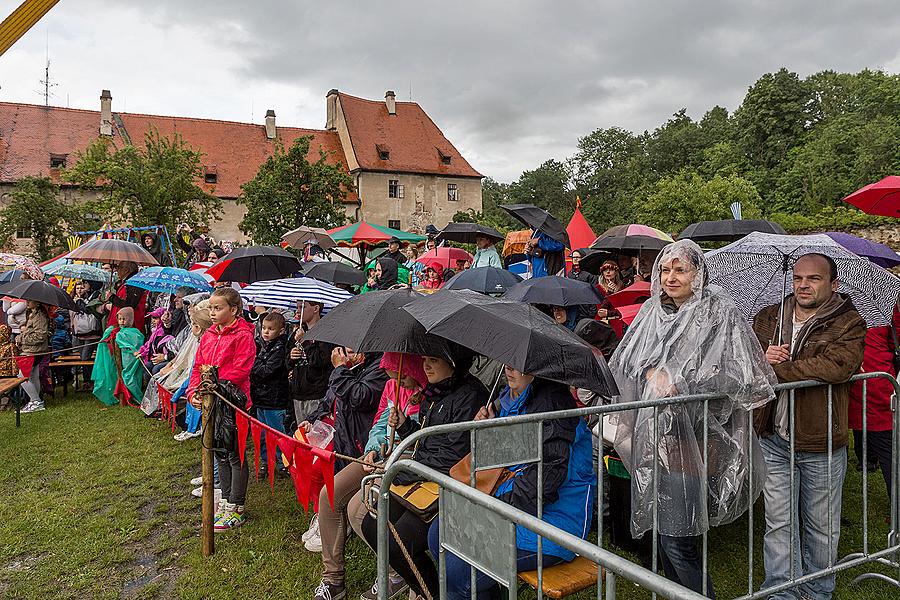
{"points": [[84, 324]]}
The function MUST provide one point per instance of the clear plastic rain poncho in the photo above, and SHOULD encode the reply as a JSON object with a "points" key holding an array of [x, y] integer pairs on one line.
{"points": [[704, 346]]}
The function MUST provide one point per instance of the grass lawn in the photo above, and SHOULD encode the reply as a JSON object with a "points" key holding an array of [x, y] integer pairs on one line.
{"points": [[96, 504]]}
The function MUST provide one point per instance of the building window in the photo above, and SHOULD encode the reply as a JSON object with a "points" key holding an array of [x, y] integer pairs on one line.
{"points": [[395, 190], [58, 161], [394, 223], [384, 153], [452, 192], [211, 178], [445, 157]]}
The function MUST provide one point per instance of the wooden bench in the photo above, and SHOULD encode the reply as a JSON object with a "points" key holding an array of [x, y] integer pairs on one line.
{"points": [[8, 385], [68, 363], [564, 579]]}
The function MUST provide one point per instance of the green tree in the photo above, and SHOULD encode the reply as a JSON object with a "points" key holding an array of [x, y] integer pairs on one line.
{"points": [[676, 145], [289, 191], [685, 198], [37, 210], [547, 187], [155, 184]]}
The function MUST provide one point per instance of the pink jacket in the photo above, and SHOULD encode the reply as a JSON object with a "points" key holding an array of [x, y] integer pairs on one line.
{"points": [[232, 349]]}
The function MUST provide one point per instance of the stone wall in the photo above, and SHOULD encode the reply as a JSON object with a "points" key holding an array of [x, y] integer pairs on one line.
{"points": [[889, 235]]}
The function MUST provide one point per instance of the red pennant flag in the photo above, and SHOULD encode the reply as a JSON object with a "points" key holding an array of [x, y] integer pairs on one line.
{"points": [[254, 432], [240, 420], [303, 473], [326, 468], [286, 445], [271, 447]]}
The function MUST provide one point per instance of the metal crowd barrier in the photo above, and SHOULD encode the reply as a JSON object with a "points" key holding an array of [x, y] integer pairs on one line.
{"points": [[480, 529]]}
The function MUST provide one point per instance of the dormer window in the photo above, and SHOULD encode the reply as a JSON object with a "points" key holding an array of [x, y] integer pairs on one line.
{"points": [[445, 157], [210, 175], [384, 153], [58, 161]]}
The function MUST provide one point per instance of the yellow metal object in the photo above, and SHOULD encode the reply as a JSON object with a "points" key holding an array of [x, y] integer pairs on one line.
{"points": [[21, 20], [73, 241]]}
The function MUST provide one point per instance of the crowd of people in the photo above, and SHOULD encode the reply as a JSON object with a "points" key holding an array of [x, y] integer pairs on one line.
{"points": [[689, 338]]}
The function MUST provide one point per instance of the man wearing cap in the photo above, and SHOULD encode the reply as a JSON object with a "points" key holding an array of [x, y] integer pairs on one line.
{"points": [[394, 251]]}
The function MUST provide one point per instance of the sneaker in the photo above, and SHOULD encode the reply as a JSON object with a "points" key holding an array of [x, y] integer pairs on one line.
{"points": [[396, 588], [232, 518], [33, 406], [329, 591], [197, 481], [313, 528], [197, 492], [180, 436], [314, 542]]}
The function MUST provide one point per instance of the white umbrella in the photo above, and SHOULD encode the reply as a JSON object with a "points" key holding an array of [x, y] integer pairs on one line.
{"points": [[297, 238], [755, 271], [286, 293]]}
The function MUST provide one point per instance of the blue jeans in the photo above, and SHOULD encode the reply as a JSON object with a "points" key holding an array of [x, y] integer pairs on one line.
{"points": [[274, 418], [814, 526], [458, 571], [682, 562]]}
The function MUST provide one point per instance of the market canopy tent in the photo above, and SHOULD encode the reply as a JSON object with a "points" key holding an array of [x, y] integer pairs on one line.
{"points": [[367, 235]]}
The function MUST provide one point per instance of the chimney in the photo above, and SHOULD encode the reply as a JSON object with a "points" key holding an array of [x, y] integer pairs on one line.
{"points": [[270, 124], [106, 113], [390, 102], [331, 100]]}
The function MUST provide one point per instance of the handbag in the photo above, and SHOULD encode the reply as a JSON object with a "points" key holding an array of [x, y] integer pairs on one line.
{"points": [[486, 481], [420, 498]]}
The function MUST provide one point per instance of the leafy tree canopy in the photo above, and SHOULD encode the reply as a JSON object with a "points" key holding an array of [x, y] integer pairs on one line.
{"points": [[37, 210]]}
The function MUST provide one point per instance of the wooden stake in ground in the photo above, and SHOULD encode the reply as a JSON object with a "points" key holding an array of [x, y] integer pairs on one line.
{"points": [[207, 539]]}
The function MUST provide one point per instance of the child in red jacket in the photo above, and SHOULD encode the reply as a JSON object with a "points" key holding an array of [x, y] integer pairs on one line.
{"points": [[229, 344]]}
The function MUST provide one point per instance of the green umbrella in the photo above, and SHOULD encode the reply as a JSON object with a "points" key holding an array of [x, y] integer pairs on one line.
{"points": [[366, 235]]}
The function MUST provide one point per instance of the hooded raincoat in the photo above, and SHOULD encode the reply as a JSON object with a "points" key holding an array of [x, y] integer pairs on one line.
{"points": [[703, 346], [155, 248], [117, 374]]}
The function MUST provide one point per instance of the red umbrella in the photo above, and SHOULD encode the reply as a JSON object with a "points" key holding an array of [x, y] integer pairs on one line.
{"points": [[881, 198], [444, 256], [628, 313], [637, 292]]}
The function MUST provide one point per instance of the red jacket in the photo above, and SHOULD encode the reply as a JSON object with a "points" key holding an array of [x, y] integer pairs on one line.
{"points": [[232, 349], [878, 356]]}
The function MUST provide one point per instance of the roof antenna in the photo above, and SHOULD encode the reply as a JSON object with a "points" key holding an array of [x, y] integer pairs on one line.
{"points": [[46, 80], [410, 90]]}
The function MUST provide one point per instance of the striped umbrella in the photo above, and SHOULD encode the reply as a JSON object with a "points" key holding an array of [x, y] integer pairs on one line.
{"points": [[631, 238], [168, 280], [286, 293], [757, 269], [86, 272], [112, 251], [369, 234]]}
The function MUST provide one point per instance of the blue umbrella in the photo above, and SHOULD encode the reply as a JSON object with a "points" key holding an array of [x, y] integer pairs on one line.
{"points": [[879, 254], [11, 275], [168, 280], [86, 272]]}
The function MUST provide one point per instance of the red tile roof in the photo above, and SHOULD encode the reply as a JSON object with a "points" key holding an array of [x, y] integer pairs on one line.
{"points": [[234, 151], [413, 140]]}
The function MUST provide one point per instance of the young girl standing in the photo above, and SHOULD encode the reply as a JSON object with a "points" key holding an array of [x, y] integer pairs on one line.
{"points": [[33, 339], [229, 344]]}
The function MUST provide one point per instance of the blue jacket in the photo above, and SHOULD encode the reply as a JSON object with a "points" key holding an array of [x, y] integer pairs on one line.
{"points": [[569, 482], [549, 260]]}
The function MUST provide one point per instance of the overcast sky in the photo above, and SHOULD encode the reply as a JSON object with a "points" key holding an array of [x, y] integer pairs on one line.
{"points": [[511, 83]]}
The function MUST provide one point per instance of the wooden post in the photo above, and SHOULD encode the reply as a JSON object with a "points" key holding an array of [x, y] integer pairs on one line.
{"points": [[207, 535]]}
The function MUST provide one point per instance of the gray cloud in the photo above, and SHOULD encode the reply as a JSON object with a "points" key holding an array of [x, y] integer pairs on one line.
{"points": [[510, 83]]}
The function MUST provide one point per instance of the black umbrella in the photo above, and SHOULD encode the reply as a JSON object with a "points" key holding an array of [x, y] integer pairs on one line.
{"points": [[254, 263], [592, 260], [484, 280], [554, 291], [334, 272], [465, 233], [539, 220], [39, 291], [631, 239], [515, 334], [373, 322], [728, 230]]}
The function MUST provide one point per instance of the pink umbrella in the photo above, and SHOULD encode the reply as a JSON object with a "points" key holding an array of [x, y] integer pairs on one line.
{"points": [[444, 256]]}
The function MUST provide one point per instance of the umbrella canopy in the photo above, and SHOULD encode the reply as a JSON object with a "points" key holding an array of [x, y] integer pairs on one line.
{"points": [[484, 280], [515, 242], [11, 275], [539, 220], [373, 322], [17, 261], [334, 272], [254, 263], [85, 272], [298, 238], [112, 250], [879, 254], [465, 233], [880, 198], [39, 291], [592, 260], [629, 312], [756, 272], [631, 238], [727, 230], [445, 256], [554, 291], [636, 292], [515, 334], [168, 280], [366, 234], [286, 293]]}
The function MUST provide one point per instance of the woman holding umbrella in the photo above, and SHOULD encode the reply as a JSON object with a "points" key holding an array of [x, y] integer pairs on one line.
{"points": [[33, 339], [568, 481]]}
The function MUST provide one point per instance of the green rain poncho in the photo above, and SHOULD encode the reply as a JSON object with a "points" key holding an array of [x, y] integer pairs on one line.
{"points": [[118, 375]]}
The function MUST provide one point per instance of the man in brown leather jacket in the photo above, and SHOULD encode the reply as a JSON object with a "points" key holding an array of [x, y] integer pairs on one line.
{"points": [[821, 337]]}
